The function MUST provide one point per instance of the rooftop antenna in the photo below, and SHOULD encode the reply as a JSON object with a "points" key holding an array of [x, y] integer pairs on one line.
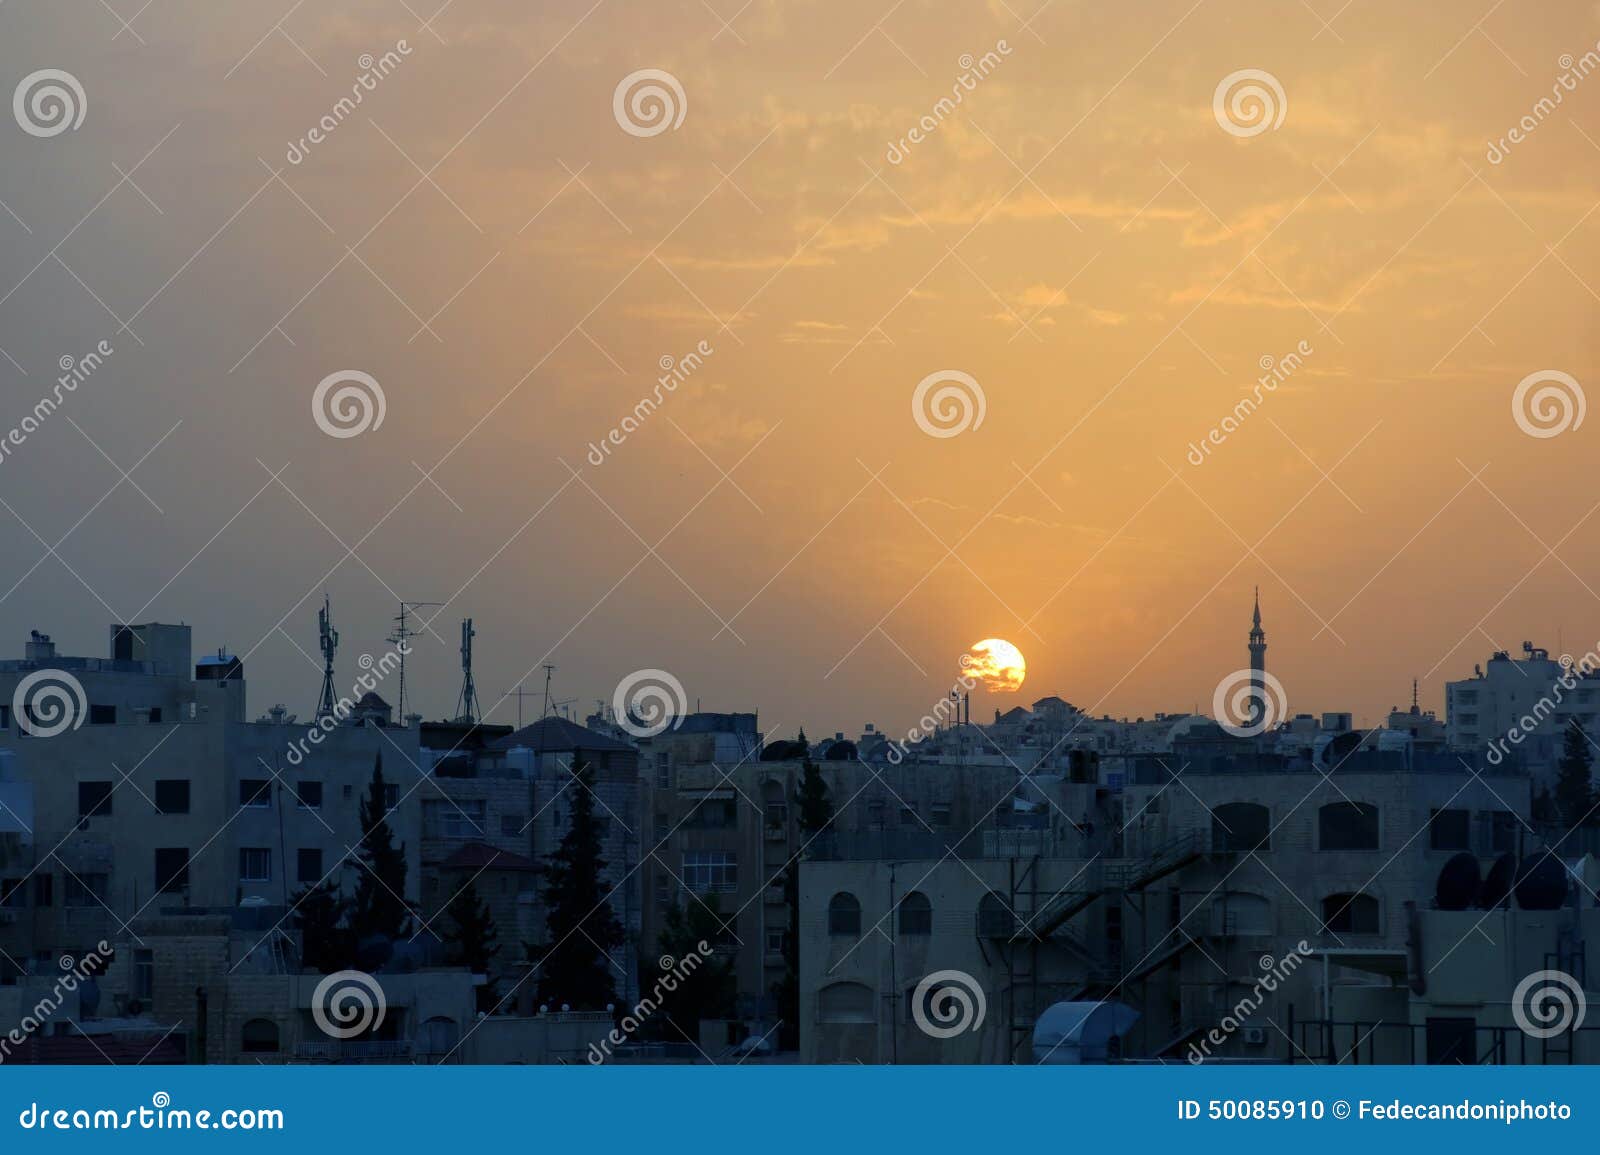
{"points": [[548, 670], [403, 633], [328, 640], [467, 707], [520, 694]]}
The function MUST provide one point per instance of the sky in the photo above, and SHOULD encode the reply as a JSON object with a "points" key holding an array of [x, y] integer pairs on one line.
{"points": [[1094, 241]]}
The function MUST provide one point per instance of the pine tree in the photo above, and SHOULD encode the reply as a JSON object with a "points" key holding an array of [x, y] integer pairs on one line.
{"points": [[576, 969], [815, 810], [381, 911], [709, 991], [1575, 795], [472, 939], [325, 944]]}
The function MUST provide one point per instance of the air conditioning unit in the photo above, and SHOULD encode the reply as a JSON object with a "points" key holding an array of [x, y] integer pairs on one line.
{"points": [[1255, 1036]]}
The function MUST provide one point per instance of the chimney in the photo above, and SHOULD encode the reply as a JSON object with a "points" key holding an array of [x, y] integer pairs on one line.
{"points": [[40, 647]]}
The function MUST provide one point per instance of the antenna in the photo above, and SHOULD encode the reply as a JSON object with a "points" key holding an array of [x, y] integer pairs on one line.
{"points": [[328, 641], [403, 633], [548, 670], [520, 694], [467, 708]]}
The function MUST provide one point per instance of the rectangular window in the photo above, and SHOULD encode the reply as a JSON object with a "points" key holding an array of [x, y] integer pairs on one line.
{"points": [[144, 974], [13, 893], [941, 814], [710, 871], [102, 715], [663, 772], [1450, 830], [44, 890], [255, 864], [308, 866], [94, 799], [908, 816], [391, 796], [88, 889], [774, 942], [309, 795], [255, 792], [462, 821], [172, 869], [1502, 831], [875, 813], [172, 796], [155, 715]]}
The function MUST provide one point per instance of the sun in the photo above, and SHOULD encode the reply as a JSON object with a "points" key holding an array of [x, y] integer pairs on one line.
{"points": [[996, 664]]}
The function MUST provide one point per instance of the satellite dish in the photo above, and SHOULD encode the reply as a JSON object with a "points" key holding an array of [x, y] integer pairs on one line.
{"points": [[1542, 883], [1495, 888], [1460, 883]]}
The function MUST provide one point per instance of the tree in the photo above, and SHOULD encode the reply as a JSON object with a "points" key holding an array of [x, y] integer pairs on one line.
{"points": [[473, 938], [325, 944], [381, 911], [1575, 796], [815, 811], [709, 990], [576, 967]]}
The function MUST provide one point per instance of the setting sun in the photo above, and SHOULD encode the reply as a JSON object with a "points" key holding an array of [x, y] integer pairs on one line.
{"points": [[996, 664]]}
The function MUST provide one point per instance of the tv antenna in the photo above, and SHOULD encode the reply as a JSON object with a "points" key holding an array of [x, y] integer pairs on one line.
{"points": [[467, 706], [403, 633], [520, 694], [328, 641]]}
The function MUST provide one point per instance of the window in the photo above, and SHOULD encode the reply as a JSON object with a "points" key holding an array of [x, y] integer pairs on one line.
{"points": [[308, 866], [1348, 826], [259, 1037], [1113, 921], [5, 717], [774, 942], [102, 715], [461, 821], [663, 828], [255, 792], [941, 814], [172, 796], [875, 813], [391, 796], [94, 799], [13, 893], [710, 870], [144, 974], [1350, 914], [155, 715], [44, 890], [1502, 831], [85, 889], [915, 915], [1241, 827], [309, 795], [663, 772], [1450, 830], [844, 916], [172, 869], [909, 816], [712, 814], [255, 864], [995, 919]]}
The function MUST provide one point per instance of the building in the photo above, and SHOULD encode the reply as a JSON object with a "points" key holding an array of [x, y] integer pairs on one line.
{"points": [[1523, 704]]}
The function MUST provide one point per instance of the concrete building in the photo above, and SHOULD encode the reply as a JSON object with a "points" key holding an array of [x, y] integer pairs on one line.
{"points": [[1521, 696]]}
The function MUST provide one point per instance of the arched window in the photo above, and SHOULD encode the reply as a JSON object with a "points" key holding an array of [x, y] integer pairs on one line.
{"points": [[259, 1037], [438, 1036], [916, 914], [1347, 826], [995, 918], [1350, 914], [844, 916], [1240, 827], [846, 1003]]}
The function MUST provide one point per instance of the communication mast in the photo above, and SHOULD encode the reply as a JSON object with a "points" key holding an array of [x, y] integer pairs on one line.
{"points": [[328, 641], [467, 707], [403, 633]]}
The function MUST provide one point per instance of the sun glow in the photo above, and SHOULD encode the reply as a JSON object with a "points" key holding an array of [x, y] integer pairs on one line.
{"points": [[996, 664]]}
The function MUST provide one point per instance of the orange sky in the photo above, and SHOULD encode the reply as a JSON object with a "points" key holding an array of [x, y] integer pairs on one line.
{"points": [[1080, 236]]}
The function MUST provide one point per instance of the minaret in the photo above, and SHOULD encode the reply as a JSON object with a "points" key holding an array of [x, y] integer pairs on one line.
{"points": [[1258, 665]]}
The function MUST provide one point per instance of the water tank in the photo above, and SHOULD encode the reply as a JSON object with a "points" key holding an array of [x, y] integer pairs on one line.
{"points": [[1460, 883], [520, 759]]}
